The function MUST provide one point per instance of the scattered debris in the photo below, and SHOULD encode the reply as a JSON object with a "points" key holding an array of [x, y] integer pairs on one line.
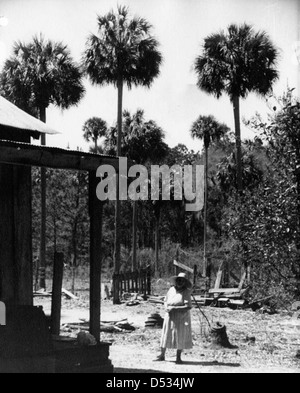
{"points": [[105, 326], [129, 296], [250, 340], [154, 321], [69, 294], [133, 303], [44, 293], [258, 304]]}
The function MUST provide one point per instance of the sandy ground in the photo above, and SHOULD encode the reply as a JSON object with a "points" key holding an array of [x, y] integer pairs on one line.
{"points": [[266, 343]]}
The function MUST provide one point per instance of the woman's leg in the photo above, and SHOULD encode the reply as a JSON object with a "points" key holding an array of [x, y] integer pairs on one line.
{"points": [[162, 355], [178, 357]]}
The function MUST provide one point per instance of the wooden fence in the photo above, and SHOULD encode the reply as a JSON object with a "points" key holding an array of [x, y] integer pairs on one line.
{"points": [[134, 282]]}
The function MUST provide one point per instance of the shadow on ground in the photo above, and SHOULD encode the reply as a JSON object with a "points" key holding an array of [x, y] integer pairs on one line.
{"points": [[119, 370], [209, 364]]}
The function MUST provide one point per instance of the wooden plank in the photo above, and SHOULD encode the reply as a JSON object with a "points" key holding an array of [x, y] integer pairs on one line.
{"points": [[218, 279], [243, 278], [237, 302], [224, 290], [184, 267], [52, 157], [69, 294]]}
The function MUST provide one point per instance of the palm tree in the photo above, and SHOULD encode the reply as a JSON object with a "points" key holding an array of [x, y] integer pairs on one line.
{"points": [[142, 142], [132, 125], [36, 75], [208, 129], [237, 62], [227, 172], [123, 51], [93, 129]]}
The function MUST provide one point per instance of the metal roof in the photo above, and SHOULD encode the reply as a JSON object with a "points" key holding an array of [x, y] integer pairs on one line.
{"points": [[15, 118], [53, 157]]}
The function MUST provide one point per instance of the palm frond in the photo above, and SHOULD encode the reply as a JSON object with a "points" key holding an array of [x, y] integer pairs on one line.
{"points": [[42, 72], [236, 62], [122, 47]]}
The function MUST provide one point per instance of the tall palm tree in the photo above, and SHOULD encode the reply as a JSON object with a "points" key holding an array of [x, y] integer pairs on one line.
{"points": [[123, 51], [237, 62], [93, 129], [142, 142], [208, 129], [36, 75], [132, 125]]}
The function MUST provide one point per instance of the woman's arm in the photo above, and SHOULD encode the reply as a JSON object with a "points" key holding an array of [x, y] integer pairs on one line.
{"points": [[180, 308], [187, 299]]}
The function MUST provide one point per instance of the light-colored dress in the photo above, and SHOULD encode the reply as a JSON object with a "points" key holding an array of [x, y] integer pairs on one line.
{"points": [[177, 328]]}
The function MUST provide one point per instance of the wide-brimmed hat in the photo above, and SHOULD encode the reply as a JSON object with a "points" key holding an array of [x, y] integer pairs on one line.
{"points": [[188, 284]]}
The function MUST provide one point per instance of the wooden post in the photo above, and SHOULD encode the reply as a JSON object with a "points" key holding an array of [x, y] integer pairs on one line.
{"points": [[58, 272], [145, 282], [149, 280], [195, 275], [136, 279], [95, 211]]}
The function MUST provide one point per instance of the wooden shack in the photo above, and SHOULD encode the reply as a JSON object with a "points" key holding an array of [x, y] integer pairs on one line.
{"points": [[17, 156]]}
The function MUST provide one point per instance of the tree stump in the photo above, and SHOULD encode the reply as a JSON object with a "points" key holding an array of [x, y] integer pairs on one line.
{"points": [[219, 338]]}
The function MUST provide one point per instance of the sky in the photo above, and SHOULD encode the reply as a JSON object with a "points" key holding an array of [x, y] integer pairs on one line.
{"points": [[180, 26]]}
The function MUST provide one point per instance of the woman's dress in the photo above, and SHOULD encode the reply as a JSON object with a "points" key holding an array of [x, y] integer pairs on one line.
{"points": [[177, 329]]}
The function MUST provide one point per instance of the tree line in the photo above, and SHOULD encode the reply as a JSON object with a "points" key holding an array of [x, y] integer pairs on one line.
{"points": [[236, 61]]}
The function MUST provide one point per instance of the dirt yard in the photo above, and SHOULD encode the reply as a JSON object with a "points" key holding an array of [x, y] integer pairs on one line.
{"points": [[266, 343]]}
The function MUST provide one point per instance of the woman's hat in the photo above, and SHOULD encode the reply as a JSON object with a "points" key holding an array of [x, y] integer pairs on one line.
{"points": [[188, 284]]}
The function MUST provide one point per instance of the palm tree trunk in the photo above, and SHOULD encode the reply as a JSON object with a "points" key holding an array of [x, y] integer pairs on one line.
{"points": [[205, 214], [117, 250], [42, 267], [134, 237], [74, 264], [236, 110], [239, 169]]}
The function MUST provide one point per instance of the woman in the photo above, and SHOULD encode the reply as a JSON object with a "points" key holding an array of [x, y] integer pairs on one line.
{"points": [[177, 329]]}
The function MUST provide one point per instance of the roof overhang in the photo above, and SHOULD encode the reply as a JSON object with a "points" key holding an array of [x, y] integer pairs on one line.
{"points": [[15, 118], [52, 157]]}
